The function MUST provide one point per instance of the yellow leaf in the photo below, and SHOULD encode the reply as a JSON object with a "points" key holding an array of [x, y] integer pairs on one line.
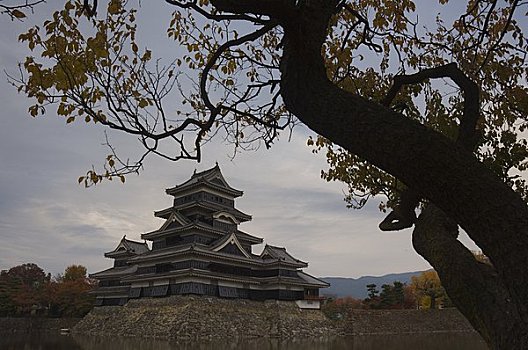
{"points": [[146, 56], [18, 14], [114, 7], [70, 119], [33, 110], [142, 103]]}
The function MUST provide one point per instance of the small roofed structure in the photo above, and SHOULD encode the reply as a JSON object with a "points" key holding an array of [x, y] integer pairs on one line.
{"points": [[199, 249], [126, 249], [111, 290]]}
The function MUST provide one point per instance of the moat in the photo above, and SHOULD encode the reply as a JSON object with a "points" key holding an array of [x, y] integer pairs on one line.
{"points": [[435, 341]]}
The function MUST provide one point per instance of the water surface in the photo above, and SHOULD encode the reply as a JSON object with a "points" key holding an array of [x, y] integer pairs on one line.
{"points": [[437, 341]]}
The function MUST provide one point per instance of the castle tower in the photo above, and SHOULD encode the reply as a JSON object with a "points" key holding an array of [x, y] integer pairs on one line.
{"points": [[200, 249]]}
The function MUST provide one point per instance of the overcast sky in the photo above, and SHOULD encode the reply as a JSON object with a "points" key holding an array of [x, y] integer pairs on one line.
{"points": [[48, 219]]}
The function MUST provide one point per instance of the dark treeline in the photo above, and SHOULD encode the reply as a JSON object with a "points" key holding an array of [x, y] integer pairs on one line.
{"points": [[26, 290]]}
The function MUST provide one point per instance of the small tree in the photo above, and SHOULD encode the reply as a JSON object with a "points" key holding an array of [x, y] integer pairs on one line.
{"points": [[428, 289], [392, 296], [7, 304], [75, 273], [24, 287], [373, 298], [70, 293], [409, 297]]}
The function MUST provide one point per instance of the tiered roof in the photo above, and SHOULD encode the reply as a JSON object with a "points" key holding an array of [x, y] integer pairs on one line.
{"points": [[211, 178], [115, 272], [280, 254], [167, 212], [199, 227], [127, 247]]}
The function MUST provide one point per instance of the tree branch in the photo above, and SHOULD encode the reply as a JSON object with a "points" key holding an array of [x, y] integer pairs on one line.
{"points": [[14, 11], [91, 10], [193, 5], [276, 9], [403, 216]]}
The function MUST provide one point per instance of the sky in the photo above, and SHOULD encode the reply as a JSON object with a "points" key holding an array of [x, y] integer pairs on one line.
{"points": [[48, 219]]}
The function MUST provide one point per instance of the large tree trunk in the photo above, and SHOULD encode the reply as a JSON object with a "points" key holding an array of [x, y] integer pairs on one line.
{"points": [[474, 287], [447, 175]]}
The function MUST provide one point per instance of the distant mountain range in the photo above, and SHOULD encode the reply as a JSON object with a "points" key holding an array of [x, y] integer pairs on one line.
{"points": [[357, 287]]}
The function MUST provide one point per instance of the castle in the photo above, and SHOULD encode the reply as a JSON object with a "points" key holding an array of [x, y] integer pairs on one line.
{"points": [[200, 250]]}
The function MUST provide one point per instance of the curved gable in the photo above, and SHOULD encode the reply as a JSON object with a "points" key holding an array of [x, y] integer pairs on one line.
{"points": [[229, 243], [226, 217]]}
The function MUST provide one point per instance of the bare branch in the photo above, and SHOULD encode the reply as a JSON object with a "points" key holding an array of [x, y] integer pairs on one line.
{"points": [[193, 5], [91, 11], [275, 9], [503, 33], [367, 31]]}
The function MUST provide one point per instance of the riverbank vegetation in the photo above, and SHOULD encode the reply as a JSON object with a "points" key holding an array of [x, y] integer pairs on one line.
{"points": [[424, 292], [26, 290]]}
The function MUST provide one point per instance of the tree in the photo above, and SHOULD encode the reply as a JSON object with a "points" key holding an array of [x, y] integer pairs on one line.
{"points": [[372, 291], [75, 273], [70, 293], [457, 158], [373, 298], [409, 297], [7, 305], [392, 296], [27, 288], [23, 289], [428, 289]]}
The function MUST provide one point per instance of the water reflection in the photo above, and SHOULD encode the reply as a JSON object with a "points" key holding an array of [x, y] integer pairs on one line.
{"points": [[246, 344], [37, 342], [443, 341], [435, 341]]}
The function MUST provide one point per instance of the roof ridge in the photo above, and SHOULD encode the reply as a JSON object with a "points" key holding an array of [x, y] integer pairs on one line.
{"points": [[274, 246], [132, 241], [204, 172]]}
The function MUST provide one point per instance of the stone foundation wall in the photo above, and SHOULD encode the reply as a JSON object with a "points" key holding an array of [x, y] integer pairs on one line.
{"points": [[196, 317], [10, 325], [199, 317], [363, 322]]}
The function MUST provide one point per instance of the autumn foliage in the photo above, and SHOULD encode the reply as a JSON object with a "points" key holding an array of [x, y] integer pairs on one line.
{"points": [[27, 290], [424, 292], [429, 291]]}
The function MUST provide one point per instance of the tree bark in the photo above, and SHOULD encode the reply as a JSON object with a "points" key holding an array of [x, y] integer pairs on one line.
{"points": [[474, 287], [449, 176]]}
